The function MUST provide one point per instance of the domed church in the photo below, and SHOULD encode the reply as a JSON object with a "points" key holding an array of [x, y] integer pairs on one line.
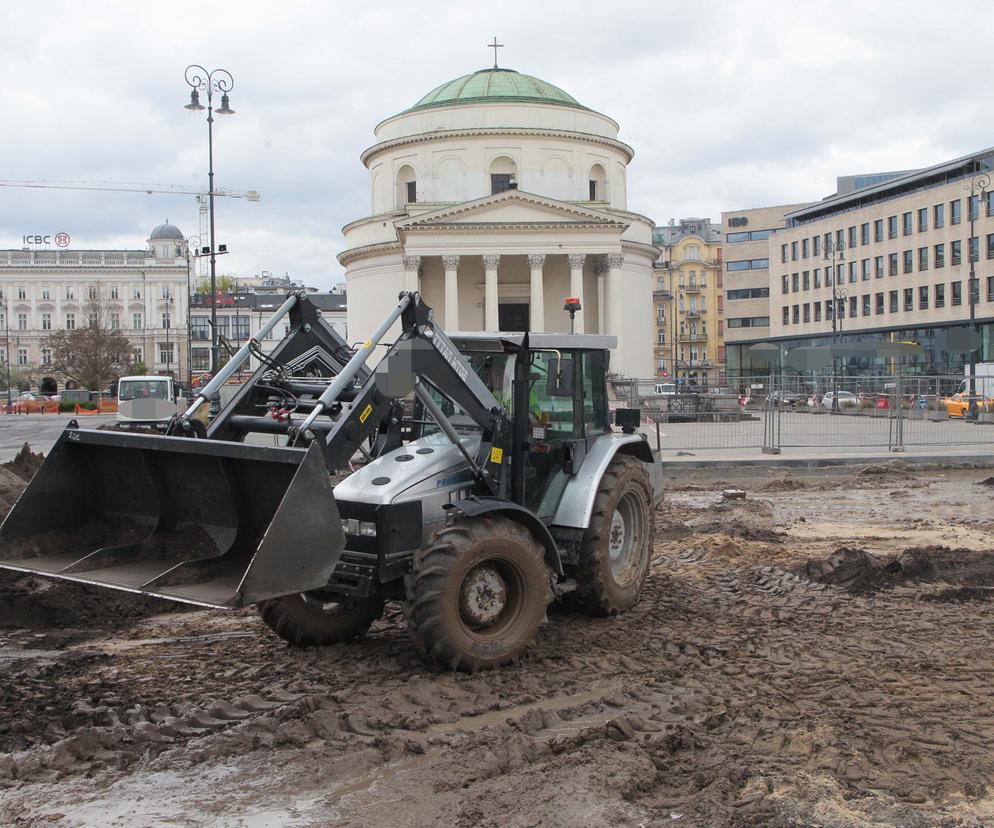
{"points": [[498, 195]]}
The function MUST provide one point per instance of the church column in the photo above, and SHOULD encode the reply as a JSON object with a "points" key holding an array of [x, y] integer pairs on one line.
{"points": [[412, 266], [602, 298], [576, 261], [451, 265], [490, 300], [614, 296], [536, 311]]}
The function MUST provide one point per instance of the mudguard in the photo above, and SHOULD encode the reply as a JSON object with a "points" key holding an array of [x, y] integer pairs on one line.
{"points": [[476, 506]]}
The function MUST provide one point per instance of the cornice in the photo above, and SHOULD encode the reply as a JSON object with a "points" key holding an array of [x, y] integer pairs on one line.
{"points": [[520, 196], [640, 249], [350, 255], [514, 225], [427, 137]]}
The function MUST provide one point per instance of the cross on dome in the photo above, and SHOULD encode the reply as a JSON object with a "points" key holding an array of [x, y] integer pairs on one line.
{"points": [[495, 46]]}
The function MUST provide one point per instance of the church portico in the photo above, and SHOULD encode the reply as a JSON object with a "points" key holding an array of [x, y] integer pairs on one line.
{"points": [[507, 258]]}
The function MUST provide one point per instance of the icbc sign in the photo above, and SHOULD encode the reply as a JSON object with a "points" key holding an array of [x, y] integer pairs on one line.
{"points": [[60, 239]]}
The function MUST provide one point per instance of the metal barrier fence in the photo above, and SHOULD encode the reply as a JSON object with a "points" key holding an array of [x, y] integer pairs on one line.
{"points": [[794, 411]]}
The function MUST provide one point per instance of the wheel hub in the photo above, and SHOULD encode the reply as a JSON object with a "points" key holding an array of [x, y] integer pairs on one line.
{"points": [[617, 536], [483, 595]]}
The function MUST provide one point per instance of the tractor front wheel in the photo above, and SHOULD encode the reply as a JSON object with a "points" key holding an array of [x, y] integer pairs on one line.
{"points": [[477, 595], [318, 618]]}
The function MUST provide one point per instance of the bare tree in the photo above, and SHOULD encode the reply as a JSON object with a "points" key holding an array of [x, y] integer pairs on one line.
{"points": [[94, 353]]}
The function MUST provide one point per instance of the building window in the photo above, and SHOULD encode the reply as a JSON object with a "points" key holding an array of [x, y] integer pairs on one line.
{"points": [[786, 315], [940, 256], [804, 248], [909, 299], [852, 237], [807, 312], [796, 314], [923, 258], [817, 311], [866, 304], [816, 245], [136, 321], [793, 251], [864, 233], [783, 254], [46, 294], [70, 321], [865, 270], [200, 359], [70, 292], [939, 216], [806, 280], [878, 267], [940, 296], [785, 284], [200, 327], [115, 292], [880, 303], [974, 248], [166, 320], [892, 227], [22, 321], [892, 264], [817, 278], [166, 352], [22, 356], [973, 204], [829, 314], [923, 220], [955, 211], [878, 230], [22, 293], [956, 289], [906, 223], [661, 338], [115, 321], [91, 292], [91, 320], [794, 283], [909, 261], [46, 356], [692, 252], [893, 301], [990, 288], [853, 307], [955, 252], [748, 264], [137, 356], [136, 293], [852, 272], [840, 238], [46, 321]]}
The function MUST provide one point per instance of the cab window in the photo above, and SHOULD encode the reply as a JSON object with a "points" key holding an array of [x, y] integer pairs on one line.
{"points": [[556, 414], [595, 415]]}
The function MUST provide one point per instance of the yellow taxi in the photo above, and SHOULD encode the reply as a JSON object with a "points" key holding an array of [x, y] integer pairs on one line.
{"points": [[958, 405]]}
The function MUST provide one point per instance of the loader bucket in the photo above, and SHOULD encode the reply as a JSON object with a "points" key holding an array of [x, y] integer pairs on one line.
{"points": [[202, 521]]}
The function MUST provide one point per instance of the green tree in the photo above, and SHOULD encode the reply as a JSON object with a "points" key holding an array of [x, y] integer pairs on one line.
{"points": [[92, 355], [225, 284]]}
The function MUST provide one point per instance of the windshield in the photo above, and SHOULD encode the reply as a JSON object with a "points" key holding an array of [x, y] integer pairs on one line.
{"points": [[143, 389]]}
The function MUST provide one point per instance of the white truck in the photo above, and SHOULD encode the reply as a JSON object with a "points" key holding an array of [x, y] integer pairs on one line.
{"points": [[983, 381], [146, 400]]}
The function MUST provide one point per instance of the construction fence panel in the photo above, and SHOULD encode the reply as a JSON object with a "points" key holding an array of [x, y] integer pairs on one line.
{"points": [[933, 411]]}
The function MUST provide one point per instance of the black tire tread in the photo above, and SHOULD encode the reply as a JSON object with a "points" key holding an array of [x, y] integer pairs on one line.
{"points": [[305, 626]]}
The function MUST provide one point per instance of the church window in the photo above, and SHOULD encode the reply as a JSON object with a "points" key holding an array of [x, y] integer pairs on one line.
{"points": [[407, 186], [502, 175], [597, 183]]}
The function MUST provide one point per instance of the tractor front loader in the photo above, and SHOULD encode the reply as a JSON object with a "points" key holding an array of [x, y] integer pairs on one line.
{"points": [[501, 489]]}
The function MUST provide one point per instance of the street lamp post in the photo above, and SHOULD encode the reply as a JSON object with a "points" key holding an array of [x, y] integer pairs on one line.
{"points": [[978, 192], [835, 251], [169, 322], [6, 325], [217, 80]]}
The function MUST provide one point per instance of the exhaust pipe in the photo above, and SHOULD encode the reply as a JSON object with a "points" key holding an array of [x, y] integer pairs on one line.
{"points": [[214, 523]]}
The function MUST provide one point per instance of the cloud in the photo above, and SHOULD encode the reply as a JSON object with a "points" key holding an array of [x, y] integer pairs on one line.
{"points": [[728, 106]]}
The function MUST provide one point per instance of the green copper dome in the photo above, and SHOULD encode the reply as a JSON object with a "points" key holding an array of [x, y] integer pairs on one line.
{"points": [[495, 86]]}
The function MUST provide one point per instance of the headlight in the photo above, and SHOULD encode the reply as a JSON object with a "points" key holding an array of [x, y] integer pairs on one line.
{"points": [[362, 528]]}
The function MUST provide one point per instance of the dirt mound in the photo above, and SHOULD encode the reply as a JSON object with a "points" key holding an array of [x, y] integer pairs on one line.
{"points": [[742, 519], [11, 487], [38, 603], [25, 463], [785, 485], [130, 429], [988, 482], [895, 468], [857, 571]]}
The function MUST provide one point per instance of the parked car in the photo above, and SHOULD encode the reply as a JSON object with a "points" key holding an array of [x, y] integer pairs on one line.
{"points": [[784, 398], [847, 399], [958, 405]]}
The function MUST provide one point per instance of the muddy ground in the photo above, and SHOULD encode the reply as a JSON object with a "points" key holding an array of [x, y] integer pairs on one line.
{"points": [[819, 654]]}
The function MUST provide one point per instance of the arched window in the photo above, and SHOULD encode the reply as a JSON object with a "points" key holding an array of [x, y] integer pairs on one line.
{"points": [[503, 175], [597, 183], [693, 252], [407, 186]]}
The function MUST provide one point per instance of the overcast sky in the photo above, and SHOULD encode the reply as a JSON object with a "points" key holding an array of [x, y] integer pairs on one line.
{"points": [[728, 105]]}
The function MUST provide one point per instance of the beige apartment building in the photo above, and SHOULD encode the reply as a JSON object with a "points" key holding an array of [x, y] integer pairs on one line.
{"points": [[688, 303], [897, 257], [746, 266]]}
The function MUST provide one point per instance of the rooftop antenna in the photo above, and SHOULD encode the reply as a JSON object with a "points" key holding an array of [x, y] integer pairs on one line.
{"points": [[495, 46]]}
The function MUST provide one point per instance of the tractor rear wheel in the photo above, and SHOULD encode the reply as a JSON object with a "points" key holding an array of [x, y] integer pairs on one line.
{"points": [[477, 595], [319, 618], [617, 546]]}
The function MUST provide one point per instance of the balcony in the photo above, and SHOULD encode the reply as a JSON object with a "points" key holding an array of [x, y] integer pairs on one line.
{"points": [[693, 338], [692, 288], [707, 363], [662, 293], [693, 314]]}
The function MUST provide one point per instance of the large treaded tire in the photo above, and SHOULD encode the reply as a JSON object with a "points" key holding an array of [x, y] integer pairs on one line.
{"points": [[436, 619], [600, 590], [316, 621]]}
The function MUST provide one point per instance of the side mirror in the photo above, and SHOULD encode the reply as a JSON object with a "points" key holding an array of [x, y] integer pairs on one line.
{"points": [[559, 380]]}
